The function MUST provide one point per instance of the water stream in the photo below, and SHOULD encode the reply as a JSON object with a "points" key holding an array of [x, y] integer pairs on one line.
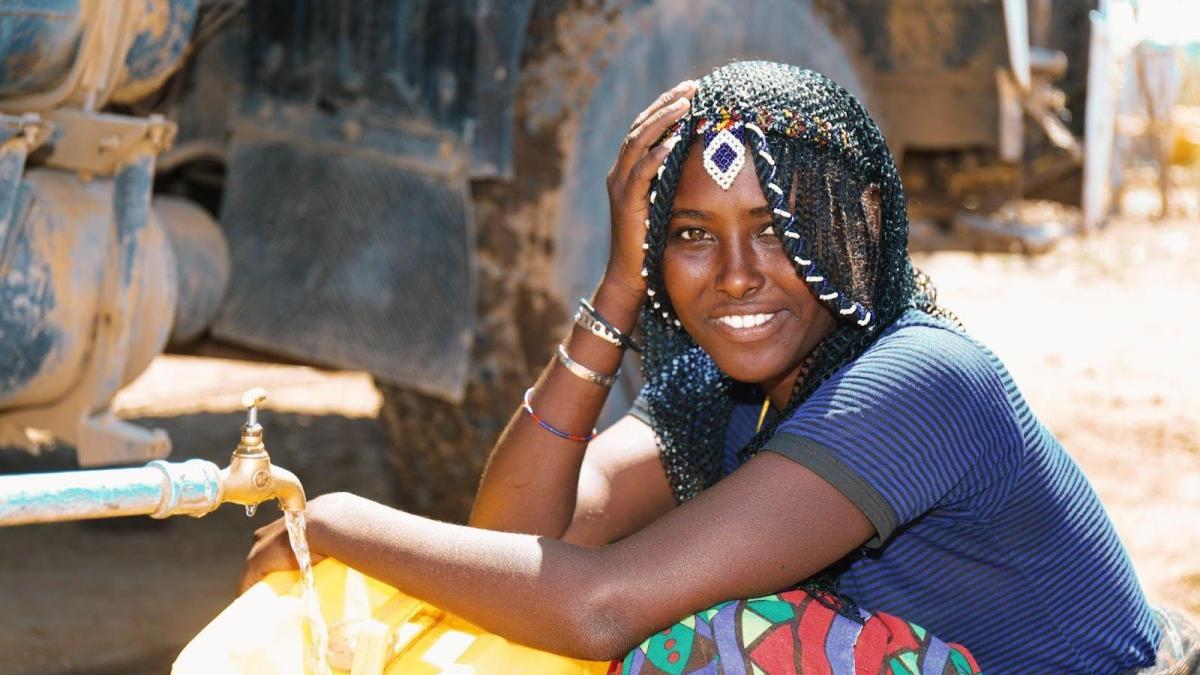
{"points": [[318, 632]]}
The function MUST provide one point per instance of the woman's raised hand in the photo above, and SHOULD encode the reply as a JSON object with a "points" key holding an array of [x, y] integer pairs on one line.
{"points": [[629, 183]]}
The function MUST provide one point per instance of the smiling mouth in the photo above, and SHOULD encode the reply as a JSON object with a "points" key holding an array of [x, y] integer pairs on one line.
{"points": [[739, 321]]}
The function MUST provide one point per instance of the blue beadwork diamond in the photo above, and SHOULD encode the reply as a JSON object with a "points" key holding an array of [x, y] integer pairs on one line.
{"points": [[724, 156]]}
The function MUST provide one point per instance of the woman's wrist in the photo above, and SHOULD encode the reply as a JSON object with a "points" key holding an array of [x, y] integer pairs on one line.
{"points": [[618, 302]]}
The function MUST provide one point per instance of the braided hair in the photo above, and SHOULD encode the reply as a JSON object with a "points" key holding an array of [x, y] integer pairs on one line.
{"points": [[824, 168]]}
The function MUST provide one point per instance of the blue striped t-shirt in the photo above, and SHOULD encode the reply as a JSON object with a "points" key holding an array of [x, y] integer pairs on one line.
{"points": [[988, 534]]}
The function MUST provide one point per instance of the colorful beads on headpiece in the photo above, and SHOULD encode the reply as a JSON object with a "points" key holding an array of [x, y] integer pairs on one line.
{"points": [[788, 123], [725, 153]]}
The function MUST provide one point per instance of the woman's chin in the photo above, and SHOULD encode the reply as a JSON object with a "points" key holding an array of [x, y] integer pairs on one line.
{"points": [[751, 371]]}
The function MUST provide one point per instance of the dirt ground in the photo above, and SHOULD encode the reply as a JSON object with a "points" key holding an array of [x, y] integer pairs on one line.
{"points": [[1100, 334]]}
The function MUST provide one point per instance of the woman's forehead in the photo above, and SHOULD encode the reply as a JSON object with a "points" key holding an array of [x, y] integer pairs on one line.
{"points": [[697, 191]]}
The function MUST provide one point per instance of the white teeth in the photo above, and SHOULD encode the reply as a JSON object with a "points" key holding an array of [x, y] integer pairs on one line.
{"points": [[746, 320]]}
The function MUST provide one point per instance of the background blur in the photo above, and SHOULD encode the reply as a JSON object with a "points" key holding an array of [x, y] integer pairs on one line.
{"points": [[383, 212]]}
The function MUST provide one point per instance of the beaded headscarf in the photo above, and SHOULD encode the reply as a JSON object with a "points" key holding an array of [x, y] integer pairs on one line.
{"points": [[808, 137]]}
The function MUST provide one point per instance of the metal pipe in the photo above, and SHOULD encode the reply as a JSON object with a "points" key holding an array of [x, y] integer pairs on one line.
{"points": [[159, 489]]}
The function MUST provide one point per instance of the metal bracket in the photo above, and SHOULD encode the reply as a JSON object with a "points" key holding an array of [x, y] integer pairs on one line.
{"points": [[30, 127], [99, 143]]}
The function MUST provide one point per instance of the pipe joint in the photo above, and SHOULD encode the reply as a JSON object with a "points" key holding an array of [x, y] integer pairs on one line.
{"points": [[192, 487]]}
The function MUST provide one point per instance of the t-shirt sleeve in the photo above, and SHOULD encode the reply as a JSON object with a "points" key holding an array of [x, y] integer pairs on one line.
{"points": [[902, 429]]}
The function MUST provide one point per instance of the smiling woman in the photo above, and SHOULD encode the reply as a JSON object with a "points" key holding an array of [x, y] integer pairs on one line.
{"points": [[738, 294], [819, 447]]}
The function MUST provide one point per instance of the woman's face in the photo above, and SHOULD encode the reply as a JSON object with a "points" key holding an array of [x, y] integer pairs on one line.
{"points": [[732, 285]]}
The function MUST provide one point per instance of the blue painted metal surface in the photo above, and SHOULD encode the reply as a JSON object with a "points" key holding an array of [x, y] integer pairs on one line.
{"points": [[26, 296], [131, 209], [38, 43], [12, 163], [158, 46], [87, 303], [27, 299]]}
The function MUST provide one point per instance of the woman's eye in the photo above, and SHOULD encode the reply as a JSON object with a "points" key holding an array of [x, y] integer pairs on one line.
{"points": [[692, 234], [768, 231]]}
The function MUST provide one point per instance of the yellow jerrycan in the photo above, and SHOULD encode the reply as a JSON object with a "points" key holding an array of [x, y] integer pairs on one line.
{"points": [[373, 629]]}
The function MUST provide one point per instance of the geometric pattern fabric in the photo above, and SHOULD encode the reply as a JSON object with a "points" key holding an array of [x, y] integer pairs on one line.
{"points": [[795, 631]]}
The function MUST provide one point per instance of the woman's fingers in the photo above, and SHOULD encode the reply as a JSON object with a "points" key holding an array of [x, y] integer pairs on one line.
{"points": [[646, 167], [271, 552], [249, 577], [683, 89], [628, 181], [649, 131], [274, 527]]}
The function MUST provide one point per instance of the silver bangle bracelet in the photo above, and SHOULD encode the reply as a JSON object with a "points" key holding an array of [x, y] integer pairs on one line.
{"points": [[605, 330], [589, 322], [582, 371]]}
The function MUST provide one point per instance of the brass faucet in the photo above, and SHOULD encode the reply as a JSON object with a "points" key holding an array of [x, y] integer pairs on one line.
{"points": [[250, 478], [159, 489]]}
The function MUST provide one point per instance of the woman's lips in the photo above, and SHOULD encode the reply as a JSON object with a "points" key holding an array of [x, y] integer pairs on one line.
{"points": [[748, 327]]}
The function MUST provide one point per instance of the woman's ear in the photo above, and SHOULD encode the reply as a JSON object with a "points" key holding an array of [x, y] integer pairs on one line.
{"points": [[870, 201]]}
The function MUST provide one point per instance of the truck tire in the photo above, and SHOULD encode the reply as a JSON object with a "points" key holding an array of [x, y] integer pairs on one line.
{"points": [[542, 237]]}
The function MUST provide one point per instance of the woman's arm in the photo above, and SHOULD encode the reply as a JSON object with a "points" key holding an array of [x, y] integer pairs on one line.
{"points": [[532, 477], [767, 526], [622, 485]]}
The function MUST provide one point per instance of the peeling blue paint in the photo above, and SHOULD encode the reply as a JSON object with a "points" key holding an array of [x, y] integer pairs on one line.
{"points": [[131, 209], [12, 163], [38, 43], [27, 333], [155, 52]]}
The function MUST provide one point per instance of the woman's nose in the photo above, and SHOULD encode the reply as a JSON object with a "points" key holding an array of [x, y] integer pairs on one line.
{"points": [[739, 274]]}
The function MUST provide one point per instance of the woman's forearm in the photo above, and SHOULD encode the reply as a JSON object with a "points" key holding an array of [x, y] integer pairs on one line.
{"points": [[532, 475], [534, 590]]}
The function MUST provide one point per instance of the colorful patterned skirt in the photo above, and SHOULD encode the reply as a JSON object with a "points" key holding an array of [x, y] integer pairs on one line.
{"points": [[797, 631]]}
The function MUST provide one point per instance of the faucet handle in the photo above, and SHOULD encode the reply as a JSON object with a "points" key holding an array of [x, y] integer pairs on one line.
{"points": [[251, 399]]}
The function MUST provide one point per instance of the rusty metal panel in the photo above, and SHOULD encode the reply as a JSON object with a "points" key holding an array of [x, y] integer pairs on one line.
{"points": [[452, 64], [500, 33], [927, 36], [350, 256], [930, 65], [947, 112]]}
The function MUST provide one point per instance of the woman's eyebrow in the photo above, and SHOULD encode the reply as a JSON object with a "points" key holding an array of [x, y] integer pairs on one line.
{"points": [[692, 214], [696, 214]]}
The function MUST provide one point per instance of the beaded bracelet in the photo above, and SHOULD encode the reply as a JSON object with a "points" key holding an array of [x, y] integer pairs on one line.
{"points": [[579, 370], [549, 427], [589, 318]]}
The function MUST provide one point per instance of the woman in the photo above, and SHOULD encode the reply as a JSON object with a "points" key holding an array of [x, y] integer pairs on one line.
{"points": [[780, 312]]}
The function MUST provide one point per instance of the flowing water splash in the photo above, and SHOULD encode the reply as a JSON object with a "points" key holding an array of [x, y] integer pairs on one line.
{"points": [[318, 632]]}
